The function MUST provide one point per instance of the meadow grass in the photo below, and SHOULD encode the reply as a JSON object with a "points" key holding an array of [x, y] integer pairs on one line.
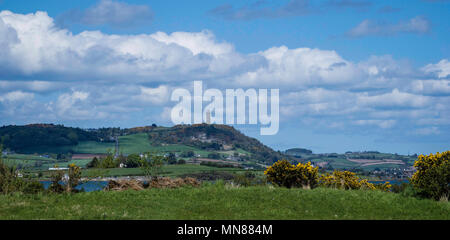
{"points": [[219, 201], [139, 143], [93, 147], [82, 147], [25, 160], [167, 170]]}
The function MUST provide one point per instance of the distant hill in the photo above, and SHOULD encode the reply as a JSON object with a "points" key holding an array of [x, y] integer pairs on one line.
{"points": [[215, 137], [50, 138], [199, 140], [19, 138], [297, 152]]}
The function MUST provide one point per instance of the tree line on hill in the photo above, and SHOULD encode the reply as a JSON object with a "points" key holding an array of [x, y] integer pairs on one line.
{"points": [[21, 138]]}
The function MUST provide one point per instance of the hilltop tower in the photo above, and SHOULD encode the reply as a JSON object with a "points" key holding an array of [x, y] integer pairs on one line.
{"points": [[208, 117]]}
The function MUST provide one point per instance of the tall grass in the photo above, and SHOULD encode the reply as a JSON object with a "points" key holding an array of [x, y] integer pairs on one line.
{"points": [[220, 201]]}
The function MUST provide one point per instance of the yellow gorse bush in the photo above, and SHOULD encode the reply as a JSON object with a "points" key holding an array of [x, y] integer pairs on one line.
{"points": [[74, 174], [432, 178], [349, 180], [283, 173]]}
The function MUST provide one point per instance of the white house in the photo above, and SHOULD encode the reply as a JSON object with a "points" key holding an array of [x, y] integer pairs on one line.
{"points": [[57, 168]]}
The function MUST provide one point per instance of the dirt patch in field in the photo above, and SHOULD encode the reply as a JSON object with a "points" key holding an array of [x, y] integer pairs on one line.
{"points": [[87, 156], [369, 162], [384, 162], [362, 161], [200, 160], [120, 185], [166, 182], [163, 182]]}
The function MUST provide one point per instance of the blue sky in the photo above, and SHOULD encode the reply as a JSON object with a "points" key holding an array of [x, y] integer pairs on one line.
{"points": [[114, 63]]}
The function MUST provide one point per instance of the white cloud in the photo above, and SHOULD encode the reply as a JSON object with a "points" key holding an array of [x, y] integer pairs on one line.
{"points": [[431, 87], [17, 104], [33, 86], [441, 69], [16, 96], [111, 12], [300, 67], [54, 74], [66, 102], [427, 131], [157, 95], [318, 102], [380, 123], [418, 25], [201, 42], [75, 105], [394, 99], [42, 47]]}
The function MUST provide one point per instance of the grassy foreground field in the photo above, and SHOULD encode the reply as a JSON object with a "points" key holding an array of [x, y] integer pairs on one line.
{"points": [[166, 171], [220, 201]]}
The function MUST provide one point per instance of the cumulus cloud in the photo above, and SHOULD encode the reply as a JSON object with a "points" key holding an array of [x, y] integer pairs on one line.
{"points": [[394, 99], [157, 95], [16, 104], [300, 67], [417, 25], [42, 47], [16, 96], [431, 87], [318, 102], [440, 69], [202, 42], [70, 105], [52, 74], [110, 12]]}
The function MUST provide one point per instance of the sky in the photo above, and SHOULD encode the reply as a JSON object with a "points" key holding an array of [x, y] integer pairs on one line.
{"points": [[353, 75]]}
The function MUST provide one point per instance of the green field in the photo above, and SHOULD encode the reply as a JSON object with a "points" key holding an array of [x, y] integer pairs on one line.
{"points": [[139, 143], [82, 147], [93, 147], [221, 201], [26, 157]]}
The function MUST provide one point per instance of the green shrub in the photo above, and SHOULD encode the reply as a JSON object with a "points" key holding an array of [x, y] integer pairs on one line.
{"points": [[133, 161], [56, 178], [33, 187], [248, 179], [9, 181]]}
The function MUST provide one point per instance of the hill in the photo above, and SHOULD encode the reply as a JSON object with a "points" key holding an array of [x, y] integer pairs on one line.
{"points": [[216, 138], [297, 152], [198, 142], [21, 138], [203, 140]]}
